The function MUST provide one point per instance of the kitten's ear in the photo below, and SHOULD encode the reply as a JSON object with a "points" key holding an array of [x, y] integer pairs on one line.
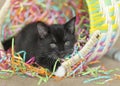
{"points": [[70, 25], [42, 29]]}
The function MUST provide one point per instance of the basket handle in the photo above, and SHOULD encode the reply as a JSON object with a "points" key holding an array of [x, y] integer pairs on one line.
{"points": [[84, 51]]}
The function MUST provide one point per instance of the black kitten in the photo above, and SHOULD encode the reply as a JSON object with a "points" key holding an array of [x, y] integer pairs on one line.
{"points": [[46, 43]]}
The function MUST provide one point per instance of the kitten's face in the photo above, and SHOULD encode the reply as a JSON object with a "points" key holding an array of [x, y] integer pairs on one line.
{"points": [[58, 39]]}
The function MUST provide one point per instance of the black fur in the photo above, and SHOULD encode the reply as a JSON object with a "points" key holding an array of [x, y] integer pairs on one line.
{"points": [[45, 42]]}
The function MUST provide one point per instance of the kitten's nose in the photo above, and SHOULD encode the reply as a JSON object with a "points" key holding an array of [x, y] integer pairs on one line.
{"points": [[61, 54], [61, 48]]}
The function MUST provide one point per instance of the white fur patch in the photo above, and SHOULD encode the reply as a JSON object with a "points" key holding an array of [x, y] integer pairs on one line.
{"points": [[60, 72], [117, 56]]}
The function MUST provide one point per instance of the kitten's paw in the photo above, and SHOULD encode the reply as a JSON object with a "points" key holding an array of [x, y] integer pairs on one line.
{"points": [[117, 56], [60, 72]]}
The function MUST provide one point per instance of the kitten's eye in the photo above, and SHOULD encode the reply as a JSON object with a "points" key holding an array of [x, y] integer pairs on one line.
{"points": [[67, 43], [53, 45]]}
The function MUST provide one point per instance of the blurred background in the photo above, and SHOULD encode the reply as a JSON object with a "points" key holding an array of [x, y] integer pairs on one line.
{"points": [[108, 62]]}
